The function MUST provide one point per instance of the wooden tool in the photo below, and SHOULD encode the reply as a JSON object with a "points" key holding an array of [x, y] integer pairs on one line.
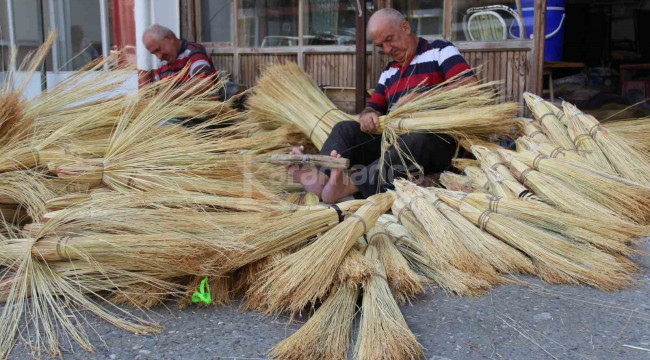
{"points": [[309, 160]]}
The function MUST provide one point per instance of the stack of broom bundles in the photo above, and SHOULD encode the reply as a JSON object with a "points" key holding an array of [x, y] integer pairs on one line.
{"points": [[285, 94]]}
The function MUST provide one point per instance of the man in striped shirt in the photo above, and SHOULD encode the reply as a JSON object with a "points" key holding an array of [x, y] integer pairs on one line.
{"points": [[174, 55], [417, 64]]}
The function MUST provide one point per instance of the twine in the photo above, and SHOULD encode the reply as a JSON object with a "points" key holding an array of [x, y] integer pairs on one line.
{"points": [[363, 221], [545, 115], [493, 205], [58, 248], [594, 129], [523, 177], [319, 120], [496, 165], [399, 213], [537, 160], [483, 219], [103, 168], [557, 151], [578, 139], [532, 135], [413, 198]]}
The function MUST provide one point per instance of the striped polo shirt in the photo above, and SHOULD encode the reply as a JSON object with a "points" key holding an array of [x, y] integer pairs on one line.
{"points": [[434, 62], [200, 63]]}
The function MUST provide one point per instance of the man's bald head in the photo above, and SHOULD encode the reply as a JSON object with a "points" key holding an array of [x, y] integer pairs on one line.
{"points": [[389, 30], [162, 42], [385, 18]]}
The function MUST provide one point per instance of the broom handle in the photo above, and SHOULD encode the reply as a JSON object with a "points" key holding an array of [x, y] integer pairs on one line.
{"points": [[310, 160]]}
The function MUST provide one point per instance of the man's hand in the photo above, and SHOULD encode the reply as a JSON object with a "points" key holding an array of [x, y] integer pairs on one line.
{"points": [[369, 120]]}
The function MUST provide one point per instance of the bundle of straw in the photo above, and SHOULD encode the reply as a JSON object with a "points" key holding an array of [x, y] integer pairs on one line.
{"points": [[629, 162], [408, 246], [556, 192], [326, 335], [620, 195], [404, 283], [534, 132], [459, 247], [557, 260], [504, 258], [588, 148], [306, 275], [608, 234], [438, 267], [286, 94], [383, 333], [55, 304], [549, 122], [479, 180], [291, 229]]}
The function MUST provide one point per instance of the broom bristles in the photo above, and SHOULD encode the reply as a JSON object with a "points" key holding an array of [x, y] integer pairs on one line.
{"points": [[383, 333]]}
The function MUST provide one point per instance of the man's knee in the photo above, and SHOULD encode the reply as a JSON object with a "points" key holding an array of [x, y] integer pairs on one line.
{"points": [[419, 140], [346, 127]]}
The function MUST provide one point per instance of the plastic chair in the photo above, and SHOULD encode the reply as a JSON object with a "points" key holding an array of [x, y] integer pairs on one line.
{"points": [[486, 24]]}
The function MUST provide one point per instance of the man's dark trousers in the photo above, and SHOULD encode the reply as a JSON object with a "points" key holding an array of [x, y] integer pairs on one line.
{"points": [[433, 153]]}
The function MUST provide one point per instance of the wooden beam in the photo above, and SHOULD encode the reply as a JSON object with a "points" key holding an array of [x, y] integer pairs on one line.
{"points": [[447, 19], [360, 57], [539, 39], [301, 40]]}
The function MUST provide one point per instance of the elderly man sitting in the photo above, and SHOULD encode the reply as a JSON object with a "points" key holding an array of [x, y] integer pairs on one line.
{"points": [[417, 64], [175, 54]]}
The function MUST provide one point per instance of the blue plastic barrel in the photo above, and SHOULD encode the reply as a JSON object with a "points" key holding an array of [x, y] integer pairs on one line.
{"points": [[555, 17]]}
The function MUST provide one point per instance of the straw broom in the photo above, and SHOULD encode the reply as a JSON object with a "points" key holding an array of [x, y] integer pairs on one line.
{"points": [[306, 275], [480, 122], [535, 133], [447, 275], [549, 122], [557, 260], [247, 277], [286, 94], [504, 258], [326, 335], [557, 193], [444, 237], [408, 246], [183, 255], [510, 187], [587, 146], [404, 283], [622, 196], [55, 315], [480, 181], [383, 332], [628, 161], [558, 153], [611, 236], [289, 230], [495, 181]]}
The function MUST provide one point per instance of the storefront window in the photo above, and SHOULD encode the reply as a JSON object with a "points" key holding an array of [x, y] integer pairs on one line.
{"points": [[329, 22], [487, 20], [216, 21], [425, 16], [268, 23]]}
